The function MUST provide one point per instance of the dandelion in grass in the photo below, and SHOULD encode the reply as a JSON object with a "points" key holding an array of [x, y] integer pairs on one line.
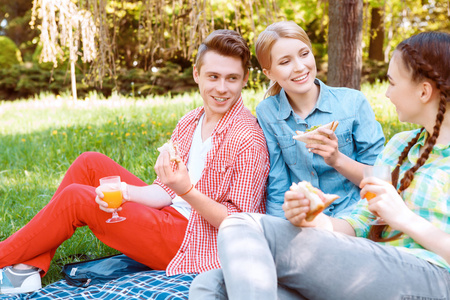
{"points": [[153, 122], [54, 132], [144, 132], [127, 134], [173, 115], [142, 125], [168, 133], [112, 133], [24, 140]]}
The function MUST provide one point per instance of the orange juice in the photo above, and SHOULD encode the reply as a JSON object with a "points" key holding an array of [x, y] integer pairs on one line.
{"points": [[113, 198], [369, 196]]}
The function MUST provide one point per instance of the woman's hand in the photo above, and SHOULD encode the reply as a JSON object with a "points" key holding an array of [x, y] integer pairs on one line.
{"points": [[329, 150], [176, 178], [387, 204], [296, 206]]}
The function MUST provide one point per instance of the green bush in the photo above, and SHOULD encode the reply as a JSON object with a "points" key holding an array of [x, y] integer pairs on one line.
{"points": [[10, 54], [30, 79]]}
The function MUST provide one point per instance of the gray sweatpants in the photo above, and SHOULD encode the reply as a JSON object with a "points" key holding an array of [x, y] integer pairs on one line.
{"points": [[265, 257]]}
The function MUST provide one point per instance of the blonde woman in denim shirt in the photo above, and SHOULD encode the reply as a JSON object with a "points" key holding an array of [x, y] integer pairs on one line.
{"points": [[298, 101]]}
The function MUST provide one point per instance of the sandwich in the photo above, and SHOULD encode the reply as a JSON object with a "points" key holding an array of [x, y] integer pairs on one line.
{"points": [[172, 149], [305, 136], [318, 200]]}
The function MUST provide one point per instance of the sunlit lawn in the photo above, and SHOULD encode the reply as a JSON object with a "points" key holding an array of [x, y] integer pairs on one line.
{"points": [[39, 139]]}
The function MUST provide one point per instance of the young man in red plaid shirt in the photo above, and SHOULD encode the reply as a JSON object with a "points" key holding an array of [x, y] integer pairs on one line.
{"points": [[171, 224]]}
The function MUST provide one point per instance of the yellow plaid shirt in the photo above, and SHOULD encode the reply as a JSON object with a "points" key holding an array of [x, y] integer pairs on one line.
{"points": [[428, 195]]}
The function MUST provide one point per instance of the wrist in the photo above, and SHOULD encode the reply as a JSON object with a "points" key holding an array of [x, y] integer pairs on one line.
{"points": [[187, 191], [124, 189], [338, 161]]}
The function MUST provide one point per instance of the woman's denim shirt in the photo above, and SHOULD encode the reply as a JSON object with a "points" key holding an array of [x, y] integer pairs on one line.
{"points": [[360, 137]]}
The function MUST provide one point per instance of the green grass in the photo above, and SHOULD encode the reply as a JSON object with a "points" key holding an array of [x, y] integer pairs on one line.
{"points": [[40, 138]]}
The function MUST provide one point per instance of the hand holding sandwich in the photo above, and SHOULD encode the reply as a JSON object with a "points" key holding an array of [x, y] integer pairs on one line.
{"points": [[304, 203], [171, 169], [322, 141]]}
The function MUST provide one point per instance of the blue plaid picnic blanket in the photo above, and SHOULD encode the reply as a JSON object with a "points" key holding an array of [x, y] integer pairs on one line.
{"points": [[141, 285]]}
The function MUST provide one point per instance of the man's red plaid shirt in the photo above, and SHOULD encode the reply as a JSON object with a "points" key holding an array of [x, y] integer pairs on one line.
{"points": [[235, 175]]}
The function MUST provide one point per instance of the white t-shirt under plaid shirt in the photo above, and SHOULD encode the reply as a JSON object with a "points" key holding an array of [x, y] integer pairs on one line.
{"points": [[235, 175], [428, 195]]}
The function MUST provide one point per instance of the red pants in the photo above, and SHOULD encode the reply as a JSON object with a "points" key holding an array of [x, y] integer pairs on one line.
{"points": [[150, 236]]}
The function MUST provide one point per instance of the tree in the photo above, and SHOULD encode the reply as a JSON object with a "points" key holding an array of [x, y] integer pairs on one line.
{"points": [[10, 53], [345, 43], [64, 25], [376, 46]]}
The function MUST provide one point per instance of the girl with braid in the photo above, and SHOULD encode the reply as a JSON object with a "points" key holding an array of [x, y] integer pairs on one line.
{"points": [[345, 257]]}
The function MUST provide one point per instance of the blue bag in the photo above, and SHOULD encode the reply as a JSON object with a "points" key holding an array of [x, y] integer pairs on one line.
{"points": [[101, 270]]}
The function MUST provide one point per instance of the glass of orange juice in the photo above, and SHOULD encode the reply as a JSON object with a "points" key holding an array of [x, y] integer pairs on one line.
{"points": [[382, 172], [112, 194]]}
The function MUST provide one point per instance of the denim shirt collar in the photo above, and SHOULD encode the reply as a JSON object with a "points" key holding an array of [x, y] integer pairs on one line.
{"points": [[322, 103]]}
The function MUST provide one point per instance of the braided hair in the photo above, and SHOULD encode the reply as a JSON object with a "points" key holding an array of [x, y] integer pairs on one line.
{"points": [[426, 56]]}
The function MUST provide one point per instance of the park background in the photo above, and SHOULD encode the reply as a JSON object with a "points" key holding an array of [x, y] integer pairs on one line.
{"points": [[115, 76]]}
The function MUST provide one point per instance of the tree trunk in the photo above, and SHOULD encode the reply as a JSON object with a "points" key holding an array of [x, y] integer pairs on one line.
{"points": [[345, 43], [377, 34], [74, 81]]}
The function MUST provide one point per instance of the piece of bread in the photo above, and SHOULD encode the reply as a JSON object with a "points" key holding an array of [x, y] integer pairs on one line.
{"points": [[172, 149], [318, 200], [305, 136]]}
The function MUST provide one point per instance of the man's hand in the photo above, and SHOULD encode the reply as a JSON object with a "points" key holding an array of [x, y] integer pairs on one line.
{"points": [[177, 177], [102, 204]]}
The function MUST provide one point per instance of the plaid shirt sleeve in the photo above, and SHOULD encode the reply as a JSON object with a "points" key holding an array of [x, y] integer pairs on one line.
{"points": [[249, 177]]}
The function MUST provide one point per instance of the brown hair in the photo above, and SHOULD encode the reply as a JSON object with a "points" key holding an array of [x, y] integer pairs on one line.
{"points": [[266, 40], [426, 56], [227, 43]]}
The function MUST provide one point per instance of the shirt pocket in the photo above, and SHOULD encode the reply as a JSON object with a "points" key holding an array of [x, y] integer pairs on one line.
{"points": [[345, 142], [288, 148], [219, 178]]}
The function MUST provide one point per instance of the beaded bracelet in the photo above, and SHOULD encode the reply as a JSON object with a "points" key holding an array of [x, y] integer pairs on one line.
{"points": [[192, 186]]}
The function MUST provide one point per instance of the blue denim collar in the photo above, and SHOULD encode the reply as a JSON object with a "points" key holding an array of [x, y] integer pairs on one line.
{"points": [[322, 103]]}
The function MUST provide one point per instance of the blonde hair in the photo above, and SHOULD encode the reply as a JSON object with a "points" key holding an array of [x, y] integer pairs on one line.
{"points": [[266, 40]]}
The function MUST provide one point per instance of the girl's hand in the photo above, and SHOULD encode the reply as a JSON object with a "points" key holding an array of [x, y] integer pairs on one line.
{"points": [[329, 149], [177, 177], [295, 207], [387, 204]]}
